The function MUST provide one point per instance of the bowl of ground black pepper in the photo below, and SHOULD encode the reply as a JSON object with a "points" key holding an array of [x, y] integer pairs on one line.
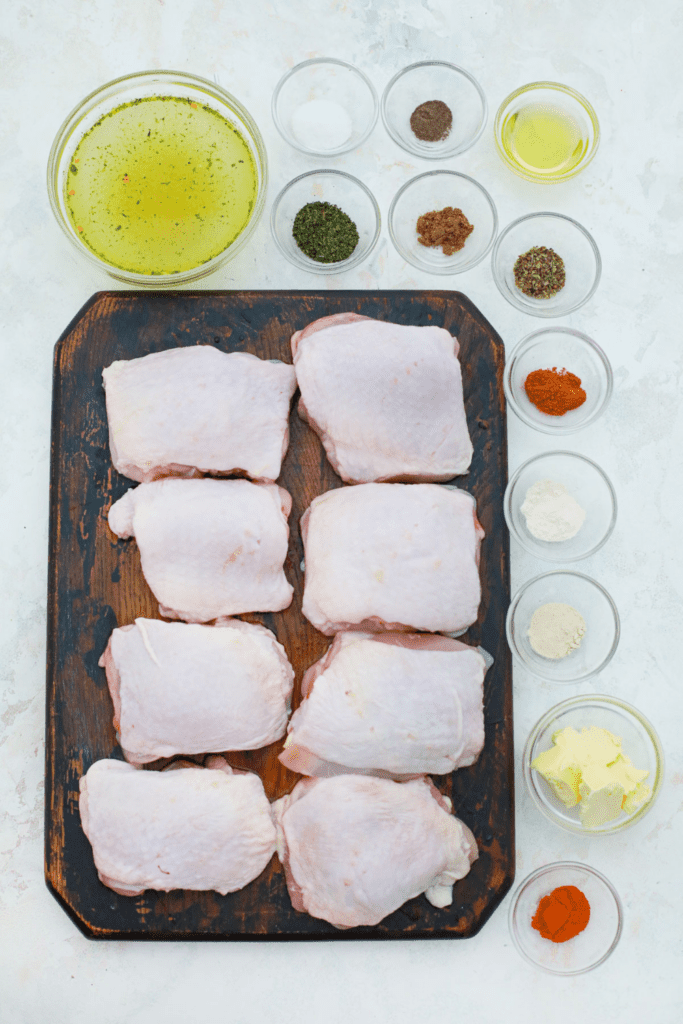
{"points": [[434, 109], [546, 264], [443, 222], [558, 380], [325, 222]]}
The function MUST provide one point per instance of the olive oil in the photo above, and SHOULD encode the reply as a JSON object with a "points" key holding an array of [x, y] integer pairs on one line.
{"points": [[160, 185], [543, 139]]}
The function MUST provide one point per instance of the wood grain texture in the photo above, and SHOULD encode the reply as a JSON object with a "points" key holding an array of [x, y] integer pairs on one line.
{"points": [[95, 584]]}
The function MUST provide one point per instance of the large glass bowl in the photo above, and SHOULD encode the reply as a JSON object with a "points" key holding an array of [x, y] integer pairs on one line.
{"points": [[128, 90], [639, 742]]}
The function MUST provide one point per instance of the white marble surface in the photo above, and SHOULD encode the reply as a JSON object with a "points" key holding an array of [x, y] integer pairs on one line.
{"points": [[626, 58]]}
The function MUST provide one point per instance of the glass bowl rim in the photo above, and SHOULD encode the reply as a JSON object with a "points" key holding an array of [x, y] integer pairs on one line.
{"points": [[89, 103], [524, 308], [527, 545], [444, 152], [532, 668], [575, 702], [289, 139], [558, 87], [519, 350], [326, 268], [409, 258], [546, 869]]}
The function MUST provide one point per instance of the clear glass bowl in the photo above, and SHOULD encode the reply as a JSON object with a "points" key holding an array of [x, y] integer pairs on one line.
{"points": [[128, 89], [332, 80], [549, 99], [436, 190], [592, 601], [589, 948], [326, 186], [569, 240], [563, 348], [639, 742], [585, 482], [434, 80]]}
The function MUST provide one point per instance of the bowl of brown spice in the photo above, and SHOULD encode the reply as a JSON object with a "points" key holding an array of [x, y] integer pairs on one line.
{"points": [[546, 264], [558, 380], [434, 109], [325, 222], [443, 222]]}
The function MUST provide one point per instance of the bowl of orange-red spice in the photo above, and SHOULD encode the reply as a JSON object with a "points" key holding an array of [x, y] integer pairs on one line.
{"points": [[566, 918], [558, 380]]}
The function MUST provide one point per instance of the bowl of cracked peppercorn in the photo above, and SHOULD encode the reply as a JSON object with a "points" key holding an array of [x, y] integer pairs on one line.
{"points": [[558, 380], [546, 264], [325, 222], [434, 109], [443, 222]]}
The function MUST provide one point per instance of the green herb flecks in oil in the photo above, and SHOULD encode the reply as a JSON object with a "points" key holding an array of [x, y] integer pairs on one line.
{"points": [[161, 185]]}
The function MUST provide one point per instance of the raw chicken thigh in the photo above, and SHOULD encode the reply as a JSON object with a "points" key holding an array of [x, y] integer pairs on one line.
{"points": [[189, 689], [209, 548], [355, 849], [190, 828], [386, 399], [392, 557], [403, 704], [195, 410]]}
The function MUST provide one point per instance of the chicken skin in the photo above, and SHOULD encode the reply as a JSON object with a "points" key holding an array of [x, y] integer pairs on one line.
{"points": [[355, 848], [179, 688], [392, 557], [398, 704], [385, 399], [189, 411], [190, 828], [209, 548]]}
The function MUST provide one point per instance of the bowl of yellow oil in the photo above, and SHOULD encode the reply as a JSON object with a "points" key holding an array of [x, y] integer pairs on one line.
{"points": [[158, 178], [545, 131]]}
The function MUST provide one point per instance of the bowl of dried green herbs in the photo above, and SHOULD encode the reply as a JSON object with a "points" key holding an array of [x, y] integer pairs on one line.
{"points": [[546, 264], [325, 222]]}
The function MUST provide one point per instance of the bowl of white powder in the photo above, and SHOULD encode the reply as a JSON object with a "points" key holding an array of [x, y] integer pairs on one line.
{"points": [[325, 107], [563, 626], [560, 506]]}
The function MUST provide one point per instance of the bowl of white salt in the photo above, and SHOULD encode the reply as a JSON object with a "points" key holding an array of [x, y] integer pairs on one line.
{"points": [[563, 626], [560, 506], [325, 107]]}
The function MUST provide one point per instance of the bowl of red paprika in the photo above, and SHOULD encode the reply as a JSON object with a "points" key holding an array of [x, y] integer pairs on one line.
{"points": [[566, 918], [558, 380]]}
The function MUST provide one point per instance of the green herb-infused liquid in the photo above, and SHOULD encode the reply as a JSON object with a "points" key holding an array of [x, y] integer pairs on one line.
{"points": [[161, 185]]}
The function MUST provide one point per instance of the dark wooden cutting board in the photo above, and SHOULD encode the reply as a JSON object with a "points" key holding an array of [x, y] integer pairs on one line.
{"points": [[95, 584]]}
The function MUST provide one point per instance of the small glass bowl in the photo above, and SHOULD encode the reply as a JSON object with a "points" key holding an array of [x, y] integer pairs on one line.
{"points": [[326, 79], [589, 948], [128, 89], [554, 99], [640, 743], [434, 80], [435, 190], [569, 240], [585, 482], [563, 348], [326, 186], [591, 601]]}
